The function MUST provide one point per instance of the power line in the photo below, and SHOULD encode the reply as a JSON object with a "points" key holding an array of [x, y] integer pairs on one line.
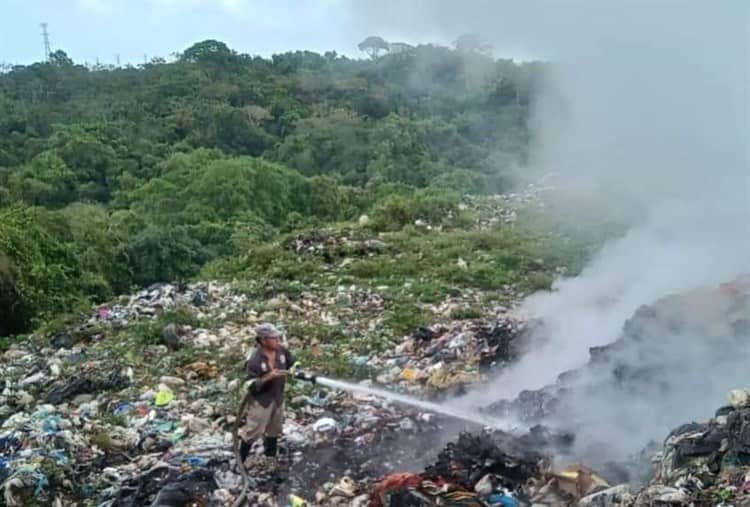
{"points": [[45, 37]]}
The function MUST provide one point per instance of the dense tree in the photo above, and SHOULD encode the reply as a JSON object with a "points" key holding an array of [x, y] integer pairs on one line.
{"points": [[158, 254], [39, 273], [60, 58], [113, 177], [46, 181], [211, 53], [336, 144]]}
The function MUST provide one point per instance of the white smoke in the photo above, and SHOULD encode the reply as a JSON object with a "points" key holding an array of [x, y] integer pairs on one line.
{"points": [[646, 111], [677, 249]]}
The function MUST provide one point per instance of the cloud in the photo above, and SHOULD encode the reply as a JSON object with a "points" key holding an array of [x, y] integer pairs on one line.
{"points": [[256, 13], [102, 7], [112, 7]]}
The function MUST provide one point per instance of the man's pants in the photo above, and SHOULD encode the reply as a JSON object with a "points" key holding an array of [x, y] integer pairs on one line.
{"points": [[262, 421]]}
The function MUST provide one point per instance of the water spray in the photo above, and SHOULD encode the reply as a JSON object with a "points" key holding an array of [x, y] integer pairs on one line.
{"points": [[471, 416]]}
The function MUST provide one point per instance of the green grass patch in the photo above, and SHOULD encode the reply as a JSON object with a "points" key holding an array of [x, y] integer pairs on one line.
{"points": [[102, 440], [8, 341], [115, 420], [437, 263], [465, 312], [416, 267]]}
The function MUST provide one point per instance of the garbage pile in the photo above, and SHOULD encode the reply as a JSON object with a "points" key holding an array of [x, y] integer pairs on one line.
{"points": [[707, 463], [494, 469], [333, 245], [498, 209], [135, 406], [434, 361], [356, 445], [155, 299], [79, 428], [443, 359], [700, 464], [682, 348]]}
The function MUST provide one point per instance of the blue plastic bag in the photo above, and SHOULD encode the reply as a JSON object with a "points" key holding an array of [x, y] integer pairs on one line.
{"points": [[501, 500]]}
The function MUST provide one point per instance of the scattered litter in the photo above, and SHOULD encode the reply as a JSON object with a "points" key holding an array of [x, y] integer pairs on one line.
{"points": [[325, 425], [79, 422], [163, 397]]}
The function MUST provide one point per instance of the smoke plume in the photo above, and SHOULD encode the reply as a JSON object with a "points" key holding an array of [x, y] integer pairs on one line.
{"points": [[645, 113]]}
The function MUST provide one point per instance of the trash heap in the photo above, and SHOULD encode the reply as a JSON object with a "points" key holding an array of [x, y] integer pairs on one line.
{"points": [[334, 245], [700, 464], [441, 360], [504, 208], [707, 463], [154, 300], [644, 370], [354, 441], [135, 405], [80, 428], [494, 468], [435, 361]]}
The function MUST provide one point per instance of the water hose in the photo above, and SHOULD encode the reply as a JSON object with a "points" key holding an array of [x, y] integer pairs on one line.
{"points": [[236, 447]]}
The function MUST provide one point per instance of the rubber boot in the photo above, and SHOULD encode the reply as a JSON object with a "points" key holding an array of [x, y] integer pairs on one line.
{"points": [[270, 446], [244, 451]]}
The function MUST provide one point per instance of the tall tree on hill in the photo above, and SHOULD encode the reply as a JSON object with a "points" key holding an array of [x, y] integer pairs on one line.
{"points": [[212, 54], [373, 46]]}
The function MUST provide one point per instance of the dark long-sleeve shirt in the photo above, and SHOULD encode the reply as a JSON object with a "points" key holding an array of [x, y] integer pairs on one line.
{"points": [[258, 365]]}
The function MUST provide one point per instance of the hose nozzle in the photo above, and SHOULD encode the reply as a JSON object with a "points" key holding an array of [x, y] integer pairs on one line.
{"points": [[303, 375]]}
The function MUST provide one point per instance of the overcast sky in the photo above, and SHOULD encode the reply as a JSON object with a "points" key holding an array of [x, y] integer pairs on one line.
{"points": [[530, 29], [88, 30], [91, 29]]}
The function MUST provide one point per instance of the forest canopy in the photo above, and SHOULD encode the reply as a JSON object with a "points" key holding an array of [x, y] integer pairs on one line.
{"points": [[112, 177]]}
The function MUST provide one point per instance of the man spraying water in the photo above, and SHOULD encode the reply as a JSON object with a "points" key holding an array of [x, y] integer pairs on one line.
{"points": [[266, 371], [262, 411]]}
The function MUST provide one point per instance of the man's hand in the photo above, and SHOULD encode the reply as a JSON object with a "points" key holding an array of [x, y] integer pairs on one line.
{"points": [[274, 374]]}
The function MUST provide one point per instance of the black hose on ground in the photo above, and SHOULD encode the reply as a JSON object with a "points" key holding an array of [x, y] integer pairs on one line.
{"points": [[236, 447]]}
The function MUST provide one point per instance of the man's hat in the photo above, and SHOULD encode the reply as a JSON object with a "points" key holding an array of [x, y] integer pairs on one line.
{"points": [[266, 330]]}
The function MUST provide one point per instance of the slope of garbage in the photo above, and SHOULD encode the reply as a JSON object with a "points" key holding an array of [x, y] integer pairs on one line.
{"points": [[89, 418], [649, 374], [135, 405], [609, 406], [699, 464], [652, 365]]}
